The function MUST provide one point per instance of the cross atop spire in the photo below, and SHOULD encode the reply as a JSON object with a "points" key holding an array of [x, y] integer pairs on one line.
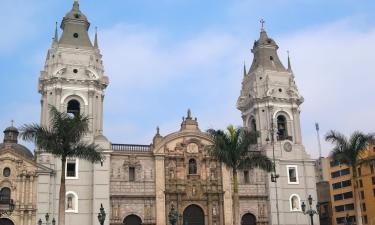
{"points": [[12, 123], [262, 22]]}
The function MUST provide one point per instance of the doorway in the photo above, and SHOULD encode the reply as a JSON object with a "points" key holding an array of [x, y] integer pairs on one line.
{"points": [[4, 221], [193, 215], [248, 219], [132, 220]]}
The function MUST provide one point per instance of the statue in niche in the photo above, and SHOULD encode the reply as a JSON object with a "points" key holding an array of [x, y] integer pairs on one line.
{"points": [[213, 175], [171, 174], [194, 191], [214, 210], [261, 210], [147, 211], [69, 203]]}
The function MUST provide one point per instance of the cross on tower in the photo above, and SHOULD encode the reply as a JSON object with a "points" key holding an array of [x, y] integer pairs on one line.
{"points": [[262, 22], [12, 122]]}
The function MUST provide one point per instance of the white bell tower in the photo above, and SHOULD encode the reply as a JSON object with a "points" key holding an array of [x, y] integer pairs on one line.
{"points": [[73, 81], [270, 104], [73, 77]]}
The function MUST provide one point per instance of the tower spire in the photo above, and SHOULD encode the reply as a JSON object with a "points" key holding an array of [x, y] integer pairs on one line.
{"points": [[289, 64], [96, 38], [244, 68], [56, 37]]}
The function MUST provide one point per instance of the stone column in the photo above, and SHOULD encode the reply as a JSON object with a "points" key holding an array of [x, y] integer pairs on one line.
{"points": [[209, 206], [22, 218], [30, 218], [31, 189], [91, 108], [160, 188], [22, 202]]}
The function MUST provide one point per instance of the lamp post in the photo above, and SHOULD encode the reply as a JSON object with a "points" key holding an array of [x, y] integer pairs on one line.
{"points": [[53, 222], [274, 175], [101, 215], [7, 206], [310, 211], [172, 215]]}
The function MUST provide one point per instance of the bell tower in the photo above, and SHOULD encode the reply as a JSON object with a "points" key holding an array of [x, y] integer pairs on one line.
{"points": [[270, 104], [73, 78], [73, 81]]}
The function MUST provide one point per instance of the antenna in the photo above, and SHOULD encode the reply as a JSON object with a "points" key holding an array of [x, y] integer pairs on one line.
{"points": [[318, 136]]}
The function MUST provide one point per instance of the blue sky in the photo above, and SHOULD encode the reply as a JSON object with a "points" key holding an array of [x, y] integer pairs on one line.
{"points": [[164, 56]]}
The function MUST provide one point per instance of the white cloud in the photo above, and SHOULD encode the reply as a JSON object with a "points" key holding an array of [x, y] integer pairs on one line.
{"points": [[153, 81], [333, 65]]}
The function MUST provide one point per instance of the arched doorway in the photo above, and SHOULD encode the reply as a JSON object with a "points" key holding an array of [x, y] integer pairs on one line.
{"points": [[132, 220], [4, 221], [248, 219], [193, 215]]}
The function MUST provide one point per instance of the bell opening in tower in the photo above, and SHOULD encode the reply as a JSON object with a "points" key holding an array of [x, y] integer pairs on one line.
{"points": [[73, 108]]}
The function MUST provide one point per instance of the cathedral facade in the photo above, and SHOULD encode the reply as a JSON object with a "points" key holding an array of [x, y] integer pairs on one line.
{"points": [[174, 176]]}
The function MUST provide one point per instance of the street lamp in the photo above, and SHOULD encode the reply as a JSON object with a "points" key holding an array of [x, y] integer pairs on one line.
{"points": [[310, 211], [274, 175], [40, 222], [101, 215]]}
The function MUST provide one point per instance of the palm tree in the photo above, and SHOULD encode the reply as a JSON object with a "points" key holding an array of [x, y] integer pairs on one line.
{"points": [[350, 152], [233, 149], [62, 138]]}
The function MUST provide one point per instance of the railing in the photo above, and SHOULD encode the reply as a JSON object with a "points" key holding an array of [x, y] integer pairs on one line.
{"points": [[131, 148], [281, 138]]}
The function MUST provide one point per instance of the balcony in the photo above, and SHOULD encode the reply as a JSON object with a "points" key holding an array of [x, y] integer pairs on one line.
{"points": [[282, 138], [130, 148]]}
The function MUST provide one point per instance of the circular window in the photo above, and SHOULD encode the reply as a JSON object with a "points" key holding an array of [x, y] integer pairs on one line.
{"points": [[271, 58], [280, 90], [77, 16], [75, 35], [6, 172], [75, 71]]}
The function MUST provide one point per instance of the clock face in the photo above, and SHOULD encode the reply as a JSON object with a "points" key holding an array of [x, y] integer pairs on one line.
{"points": [[288, 146]]}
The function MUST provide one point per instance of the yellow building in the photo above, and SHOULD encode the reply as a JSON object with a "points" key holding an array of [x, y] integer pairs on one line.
{"points": [[341, 190]]}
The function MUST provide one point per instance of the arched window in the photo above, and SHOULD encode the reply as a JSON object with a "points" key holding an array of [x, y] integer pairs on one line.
{"points": [[282, 132], [71, 204], [295, 203], [5, 193], [192, 166], [73, 107], [253, 125]]}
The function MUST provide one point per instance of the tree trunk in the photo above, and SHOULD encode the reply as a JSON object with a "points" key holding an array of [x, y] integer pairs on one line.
{"points": [[358, 211], [236, 206], [62, 193]]}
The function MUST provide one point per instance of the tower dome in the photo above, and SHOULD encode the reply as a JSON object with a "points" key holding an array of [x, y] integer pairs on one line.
{"points": [[11, 142], [75, 26]]}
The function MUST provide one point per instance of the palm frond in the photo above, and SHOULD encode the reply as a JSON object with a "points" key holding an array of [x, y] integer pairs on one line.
{"points": [[90, 152], [256, 160]]}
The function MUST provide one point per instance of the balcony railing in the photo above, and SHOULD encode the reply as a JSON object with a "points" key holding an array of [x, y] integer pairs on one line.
{"points": [[131, 148], [281, 138]]}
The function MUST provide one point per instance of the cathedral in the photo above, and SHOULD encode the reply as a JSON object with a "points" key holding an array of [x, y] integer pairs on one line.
{"points": [[144, 183]]}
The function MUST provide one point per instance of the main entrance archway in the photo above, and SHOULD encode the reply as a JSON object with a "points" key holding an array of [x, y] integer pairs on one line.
{"points": [[132, 220], [248, 219], [4, 221], [193, 215]]}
